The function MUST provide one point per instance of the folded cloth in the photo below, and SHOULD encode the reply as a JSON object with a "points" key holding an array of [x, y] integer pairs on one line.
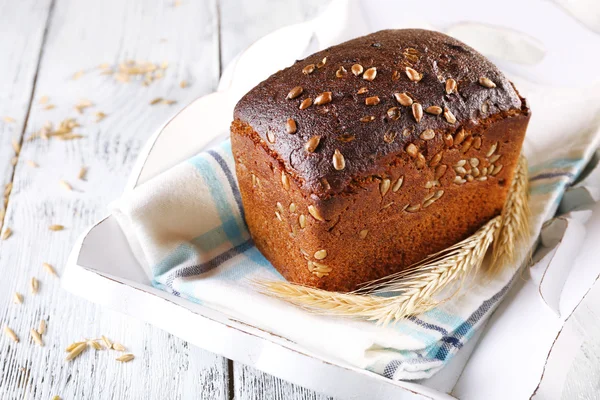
{"points": [[186, 227]]}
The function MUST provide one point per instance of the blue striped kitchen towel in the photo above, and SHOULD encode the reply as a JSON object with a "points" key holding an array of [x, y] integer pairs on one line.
{"points": [[186, 227]]}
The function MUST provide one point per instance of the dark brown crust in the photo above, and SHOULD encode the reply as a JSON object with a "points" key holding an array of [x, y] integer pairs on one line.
{"points": [[435, 55]]}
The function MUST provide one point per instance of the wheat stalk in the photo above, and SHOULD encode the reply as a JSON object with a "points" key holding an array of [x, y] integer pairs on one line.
{"points": [[514, 230]]}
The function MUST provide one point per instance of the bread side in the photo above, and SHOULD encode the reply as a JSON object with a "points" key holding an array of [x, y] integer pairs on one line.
{"points": [[388, 223]]}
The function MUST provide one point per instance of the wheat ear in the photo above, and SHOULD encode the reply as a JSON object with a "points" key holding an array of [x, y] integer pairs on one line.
{"points": [[416, 288], [511, 237]]}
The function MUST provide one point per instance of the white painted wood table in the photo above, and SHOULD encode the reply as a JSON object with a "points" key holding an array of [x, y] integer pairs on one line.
{"points": [[54, 48]]}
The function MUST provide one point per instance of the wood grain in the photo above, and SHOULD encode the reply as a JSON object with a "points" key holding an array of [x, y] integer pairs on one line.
{"points": [[43, 43], [20, 54], [82, 35], [252, 384], [244, 22], [583, 379]]}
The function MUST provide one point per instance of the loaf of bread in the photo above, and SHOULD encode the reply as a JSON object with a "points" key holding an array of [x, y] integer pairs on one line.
{"points": [[367, 157]]}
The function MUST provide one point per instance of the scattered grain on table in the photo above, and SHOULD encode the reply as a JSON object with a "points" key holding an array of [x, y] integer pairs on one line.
{"points": [[49, 268], [82, 173], [16, 146], [6, 234], [37, 338], [76, 350], [125, 357], [11, 334], [82, 105], [118, 347], [35, 285], [42, 327], [99, 116], [65, 185]]}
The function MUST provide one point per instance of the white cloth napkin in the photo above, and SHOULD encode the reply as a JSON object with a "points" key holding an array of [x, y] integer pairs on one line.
{"points": [[187, 229]]}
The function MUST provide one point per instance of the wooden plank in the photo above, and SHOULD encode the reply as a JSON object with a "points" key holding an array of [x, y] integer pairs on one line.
{"points": [[583, 377], [244, 22], [81, 36], [251, 384], [20, 54]]}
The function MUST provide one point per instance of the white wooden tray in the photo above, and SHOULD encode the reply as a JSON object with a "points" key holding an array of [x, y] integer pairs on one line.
{"points": [[102, 267]]}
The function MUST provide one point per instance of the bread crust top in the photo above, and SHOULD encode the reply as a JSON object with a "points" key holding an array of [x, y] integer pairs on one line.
{"points": [[373, 98]]}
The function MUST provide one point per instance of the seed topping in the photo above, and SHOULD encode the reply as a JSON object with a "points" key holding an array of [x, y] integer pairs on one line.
{"points": [[370, 74], [322, 63], [427, 134], [412, 150], [372, 101], [398, 184], [413, 75], [323, 98], [302, 221], [436, 160], [367, 118], [312, 210], [393, 113], [290, 126], [417, 111], [435, 110], [384, 186], [306, 103], [492, 150], [357, 69], [346, 137], [403, 99], [285, 180], [486, 82], [320, 254], [450, 118], [309, 69], [339, 163], [449, 140], [460, 136], [341, 72], [312, 144], [295, 92], [362, 90], [440, 171], [450, 85], [389, 136]]}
